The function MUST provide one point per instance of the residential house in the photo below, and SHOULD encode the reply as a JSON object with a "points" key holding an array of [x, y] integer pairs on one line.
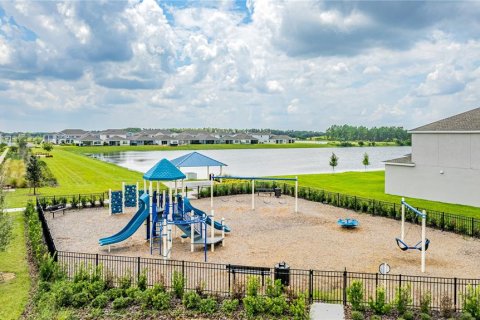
{"points": [[444, 164], [281, 139], [88, 140], [244, 138]]}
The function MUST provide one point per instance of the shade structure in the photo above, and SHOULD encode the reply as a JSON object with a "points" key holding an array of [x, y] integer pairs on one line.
{"points": [[195, 159], [164, 170]]}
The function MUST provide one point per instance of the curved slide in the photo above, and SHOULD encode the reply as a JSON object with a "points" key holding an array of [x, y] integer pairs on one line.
{"points": [[217, 225], [132, 226]]}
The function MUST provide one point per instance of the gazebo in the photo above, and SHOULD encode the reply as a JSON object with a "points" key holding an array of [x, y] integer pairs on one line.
{"points": [[195, 159]]}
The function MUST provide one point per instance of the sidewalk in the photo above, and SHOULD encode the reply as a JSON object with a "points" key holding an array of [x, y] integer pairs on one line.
{"points": [[4, 154]]}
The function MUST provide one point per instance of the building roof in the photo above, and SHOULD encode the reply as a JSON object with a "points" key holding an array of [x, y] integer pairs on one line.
{"points": [[114, 131], [73, 131], [405, 160], [244, 136], [141, 137], [164, 170], [463, 122], [89, 137], [195, 159], [116, 138], [184, 136], [204, 136], [281, 137], [161, 136]]}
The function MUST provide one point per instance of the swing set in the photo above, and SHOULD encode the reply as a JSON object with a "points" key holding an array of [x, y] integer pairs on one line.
{"points": [[421, 245]]}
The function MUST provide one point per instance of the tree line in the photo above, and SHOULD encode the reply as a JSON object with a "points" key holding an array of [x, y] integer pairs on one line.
{"points": [[360, 133]]}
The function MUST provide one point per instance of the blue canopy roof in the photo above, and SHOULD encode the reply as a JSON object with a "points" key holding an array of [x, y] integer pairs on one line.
{"points": [[164, 170], [196, 159]]}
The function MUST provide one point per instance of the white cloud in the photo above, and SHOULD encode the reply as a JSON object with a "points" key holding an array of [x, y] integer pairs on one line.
{"points": [[445, 79]]}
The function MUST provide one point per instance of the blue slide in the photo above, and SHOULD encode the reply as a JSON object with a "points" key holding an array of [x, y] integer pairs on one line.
{"points": [[131, 226], [217, 225]]}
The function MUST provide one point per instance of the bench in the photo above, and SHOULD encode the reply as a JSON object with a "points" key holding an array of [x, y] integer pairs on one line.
{"points": [[238, 269], [265, 190], [57, 208]]}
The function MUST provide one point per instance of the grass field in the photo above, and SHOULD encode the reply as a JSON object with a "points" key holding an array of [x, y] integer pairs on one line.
{"points": [[370, 185], [14, 293], [76, 173]]}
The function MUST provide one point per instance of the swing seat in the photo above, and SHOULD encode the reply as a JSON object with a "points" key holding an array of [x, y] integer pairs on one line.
{"points": [[404, 247], [348, 223]]}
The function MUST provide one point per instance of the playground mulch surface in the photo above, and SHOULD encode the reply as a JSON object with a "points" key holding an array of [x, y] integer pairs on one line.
{"points": [[309, 239]]}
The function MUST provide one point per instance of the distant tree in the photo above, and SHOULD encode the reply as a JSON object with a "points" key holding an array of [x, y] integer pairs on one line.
{"points": [[366, 160], [47, 146], [361, 143], [333, 161], [34, 173], [5, 220]]}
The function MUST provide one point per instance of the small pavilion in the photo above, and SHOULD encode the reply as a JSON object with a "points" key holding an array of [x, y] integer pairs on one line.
{"points": [[195, 159]]}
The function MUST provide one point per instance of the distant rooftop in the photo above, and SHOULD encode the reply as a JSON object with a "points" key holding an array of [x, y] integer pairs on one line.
{"points": [[466, 121], [195, 159]]}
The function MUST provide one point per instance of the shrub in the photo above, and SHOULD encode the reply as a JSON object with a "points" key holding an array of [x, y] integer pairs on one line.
{"points": [[298, 308], [355, 295], [446, 309], [408, 315], [208, 306], [238, 290], [425, 316], [49, 270], [125, 282], [142, 281], [229, 306], [200, 288], [466, 316], [114, 293], [471, 302], [161, 301], [131, 292], [80, 299], [379, 305], [274, 288], [62, 293], [276, 306], [253, 284], [121, 302], [95, 288], [375, 317], [191, 300], [100, 301], [357, 315], [253, 305], [178, 284], [403, 299], [425, 301]]}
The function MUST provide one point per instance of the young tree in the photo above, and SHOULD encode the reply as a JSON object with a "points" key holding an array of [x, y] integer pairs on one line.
{"points": [[47, 146], [366, 160], [5, 220], [34, 173], [333, 161]]}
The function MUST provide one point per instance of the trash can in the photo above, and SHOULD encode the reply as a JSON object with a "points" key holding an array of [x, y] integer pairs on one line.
{"points": [[282, 272], [278, 192]]}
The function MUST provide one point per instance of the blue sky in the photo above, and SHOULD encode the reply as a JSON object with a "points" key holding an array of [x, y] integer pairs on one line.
{"points": [[240, 64]]}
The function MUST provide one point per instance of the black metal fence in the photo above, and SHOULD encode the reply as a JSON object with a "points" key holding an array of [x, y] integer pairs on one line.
{"points": [[317, 286], [435, 219], [74, 201]]}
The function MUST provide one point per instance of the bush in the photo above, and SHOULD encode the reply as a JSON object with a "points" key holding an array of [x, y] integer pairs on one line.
{"points": [[425, 301], [191, 300], [121, 302], [357, 315], [80, 299], [408, 315], [276, 306], [466, 316], [379, 305], [125, 282], [208, 306], [403, 299], [142, 281], [178, 284], [254, 305], [274, 288], [100, 301], [425, 316], [355, 295], [161, 301], [114, 293], [446, 309], [375, 317], [132, 292], [471, 302], [253, 284], [62, 293], [298, 308], [49, 270], [229, 306], [238, 290]]}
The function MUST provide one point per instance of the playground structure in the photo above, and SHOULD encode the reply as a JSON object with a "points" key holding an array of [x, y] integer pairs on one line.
{"points": [[128, 197], [348, 223], [162, 211], [253, 179], [423, 244]]}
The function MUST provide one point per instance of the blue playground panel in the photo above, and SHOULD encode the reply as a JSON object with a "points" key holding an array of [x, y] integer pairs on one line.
{"points": [[348, 223], [116, 202], [130, 196]]}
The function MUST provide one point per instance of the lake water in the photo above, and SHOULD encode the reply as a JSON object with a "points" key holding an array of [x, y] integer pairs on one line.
{"points": [[265, 162]]}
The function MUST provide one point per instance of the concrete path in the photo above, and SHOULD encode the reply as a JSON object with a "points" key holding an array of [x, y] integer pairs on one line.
{"points": [[13, 209], [4, 154], [326, 311]]}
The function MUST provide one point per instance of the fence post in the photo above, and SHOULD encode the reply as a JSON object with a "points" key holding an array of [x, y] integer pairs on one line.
{"points": [[443, 221], [96, 260], [473, 224], [355, 203], [455, 294], [338, 199], [394, 211], [138, 269], [198, 192], [376, 280], [229, 281], [345, 287], [183, 267], [400, 281], [310, 287], [373, 203]]}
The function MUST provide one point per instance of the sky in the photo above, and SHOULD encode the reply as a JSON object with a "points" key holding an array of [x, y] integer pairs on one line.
{"points": [[302, 65]]}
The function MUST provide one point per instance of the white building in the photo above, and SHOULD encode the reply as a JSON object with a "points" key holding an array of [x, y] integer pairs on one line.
{"points": [[444, 164]]}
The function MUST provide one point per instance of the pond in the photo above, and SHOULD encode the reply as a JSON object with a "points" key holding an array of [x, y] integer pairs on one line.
{"points": [[265, 162]]}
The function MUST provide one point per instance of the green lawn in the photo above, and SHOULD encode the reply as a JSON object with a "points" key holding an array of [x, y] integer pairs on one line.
{"points": [[77, 173], [370, 185], [14, 293]]}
